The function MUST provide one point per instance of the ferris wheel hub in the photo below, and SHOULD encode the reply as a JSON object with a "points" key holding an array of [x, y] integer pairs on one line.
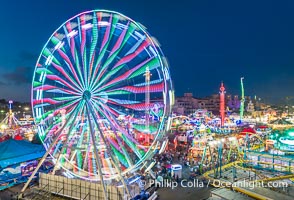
{"points": [[87, 95]]}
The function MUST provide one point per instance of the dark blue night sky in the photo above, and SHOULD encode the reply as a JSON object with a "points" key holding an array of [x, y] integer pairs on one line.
{"points": [[206, 42]]}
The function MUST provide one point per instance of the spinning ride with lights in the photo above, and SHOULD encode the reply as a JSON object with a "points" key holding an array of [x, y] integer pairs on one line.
{"points": [[10, 121], [90, 94]]}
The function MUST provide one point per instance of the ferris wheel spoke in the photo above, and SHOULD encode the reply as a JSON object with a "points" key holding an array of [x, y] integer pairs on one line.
{"points": [[66, 105], [52, 60], [78, 67], [71, 41], [69, 65], [109, 74], [126, 104], [69, 105], [123, 38], [106, 40], [119, 149], [63, 92], [114, 159], [101, 109], [152, 64], [82, 129], [132, 74], [60, 45], [54, 126], [130, 57], [51, 88], [135, 107], [121, 102], [126, 33], [113, 111], [62, 82], [126, 74], [122, 77], [107, 37], [66, 100], [88, 150], [78, 63], [155, 88], [66, 76], [49, 113], [68, 136], [93, 46], [130, 141], [62, 120], [83, 48]]}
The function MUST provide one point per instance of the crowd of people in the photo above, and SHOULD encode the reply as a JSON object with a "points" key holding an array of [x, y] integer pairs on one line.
{"points": [[196, 160]]}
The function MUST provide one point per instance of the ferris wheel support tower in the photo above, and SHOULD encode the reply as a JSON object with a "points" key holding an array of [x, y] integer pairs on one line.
{"points": [[147, 102]]}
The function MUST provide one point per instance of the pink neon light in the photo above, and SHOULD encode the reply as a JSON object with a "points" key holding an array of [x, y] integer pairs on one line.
{"points": [[119, 41], [61, 70], [56, 78], [106, 35], [99, 17], [114, 143], [118, 127], [222, 104], [132, 55], [141, 89], [45, 87], [65, 57], [127, 74], [72, 41], [83, 21], [45, 100]]}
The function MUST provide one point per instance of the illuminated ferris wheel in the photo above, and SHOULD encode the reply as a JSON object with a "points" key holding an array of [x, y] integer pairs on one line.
{"points": [[101, 96]]}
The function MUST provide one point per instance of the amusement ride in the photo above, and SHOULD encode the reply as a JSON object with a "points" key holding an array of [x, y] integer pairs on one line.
{"points": [[10, 120], [101, 81], [242, 102]]}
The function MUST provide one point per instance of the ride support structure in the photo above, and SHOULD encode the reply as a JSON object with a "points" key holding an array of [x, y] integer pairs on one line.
{"points": [[242, 100], [147, 102], [222, 103]]}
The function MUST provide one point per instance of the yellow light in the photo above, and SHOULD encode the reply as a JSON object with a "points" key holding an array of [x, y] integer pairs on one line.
{"points": [[3, 126]]}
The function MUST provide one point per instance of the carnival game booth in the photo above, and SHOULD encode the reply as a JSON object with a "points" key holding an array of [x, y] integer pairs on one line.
{"points": [[16, 159], [280, 123]]}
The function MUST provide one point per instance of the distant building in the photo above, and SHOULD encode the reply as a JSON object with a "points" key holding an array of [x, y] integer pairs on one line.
{"points": [[188, 104], [250, 107]]}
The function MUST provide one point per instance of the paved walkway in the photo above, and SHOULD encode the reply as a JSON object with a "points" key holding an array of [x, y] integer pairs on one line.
{"points": [[184, 193], [197, 191]]}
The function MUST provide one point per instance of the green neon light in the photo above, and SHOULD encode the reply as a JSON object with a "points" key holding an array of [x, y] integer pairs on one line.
{"points": [[242, 100]]}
